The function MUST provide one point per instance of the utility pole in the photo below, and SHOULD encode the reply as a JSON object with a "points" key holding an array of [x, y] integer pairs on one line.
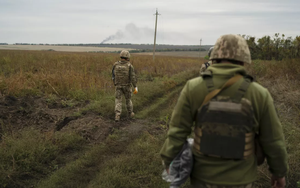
{"points": [[155, 34], [200, 49]]}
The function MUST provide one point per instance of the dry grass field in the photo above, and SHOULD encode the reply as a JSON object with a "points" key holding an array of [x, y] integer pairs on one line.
{"points": [[193, 54], [57, 124]]}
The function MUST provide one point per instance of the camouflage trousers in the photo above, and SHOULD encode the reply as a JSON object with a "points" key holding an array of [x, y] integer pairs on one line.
{"points": [[197, 184], [119, 92]]}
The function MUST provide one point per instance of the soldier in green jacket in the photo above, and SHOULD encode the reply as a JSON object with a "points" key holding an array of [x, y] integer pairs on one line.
{"points": [[226, 122], [124, 78]]}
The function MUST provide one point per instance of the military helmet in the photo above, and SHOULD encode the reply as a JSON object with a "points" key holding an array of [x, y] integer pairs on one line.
{"points": [[125, 54], [231, 47], [209, 51]]}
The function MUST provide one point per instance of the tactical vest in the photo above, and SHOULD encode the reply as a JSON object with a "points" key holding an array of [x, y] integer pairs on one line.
{"points": [[122, 73], [225, 124]]}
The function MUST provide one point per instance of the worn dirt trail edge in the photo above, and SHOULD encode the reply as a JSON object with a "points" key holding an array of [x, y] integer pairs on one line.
{"points": [[111, 144]]}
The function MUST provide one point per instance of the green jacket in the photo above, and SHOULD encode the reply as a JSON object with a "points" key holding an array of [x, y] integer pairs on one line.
{"points": [[213, 170]]}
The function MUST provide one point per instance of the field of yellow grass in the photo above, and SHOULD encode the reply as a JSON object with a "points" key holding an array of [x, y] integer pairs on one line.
{"points": [[57, 110]]}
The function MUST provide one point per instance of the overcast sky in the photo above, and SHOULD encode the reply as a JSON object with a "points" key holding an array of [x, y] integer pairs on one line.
{"points": [[133, 21]]}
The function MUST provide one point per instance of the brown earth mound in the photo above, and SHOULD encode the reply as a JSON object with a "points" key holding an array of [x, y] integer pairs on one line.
{"points": [[35, 112]]}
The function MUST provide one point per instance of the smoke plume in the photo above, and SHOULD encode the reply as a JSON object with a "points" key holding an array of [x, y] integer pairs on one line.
{"points": [[131, 33], [118, 35]]}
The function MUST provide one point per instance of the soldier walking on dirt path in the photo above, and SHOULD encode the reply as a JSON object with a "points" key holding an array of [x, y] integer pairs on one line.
{"points": [[205, 65], [123, 76], [235, 123]]}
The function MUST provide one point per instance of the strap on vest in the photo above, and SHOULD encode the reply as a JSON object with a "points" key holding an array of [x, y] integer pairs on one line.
{"points": [[215, 92], [207, 76], [210, 86], [242, 90]]}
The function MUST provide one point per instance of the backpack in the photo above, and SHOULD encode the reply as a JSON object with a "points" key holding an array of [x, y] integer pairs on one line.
{"points": [[123, 77]]}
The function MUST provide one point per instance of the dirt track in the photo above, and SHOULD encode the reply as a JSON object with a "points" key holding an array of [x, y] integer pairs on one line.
{"points": [[104, 140], [37, 113], [47, 116]]}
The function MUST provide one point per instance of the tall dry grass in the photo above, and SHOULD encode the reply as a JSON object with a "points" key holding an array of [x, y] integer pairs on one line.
{"points": [[76, 75], [88, 76], [282, 79], [140, 164]]}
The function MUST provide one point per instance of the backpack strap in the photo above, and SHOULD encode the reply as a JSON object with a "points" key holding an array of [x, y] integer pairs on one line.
{"points": [[215, 92], [242, 89], [207, 76], [212, 93]]}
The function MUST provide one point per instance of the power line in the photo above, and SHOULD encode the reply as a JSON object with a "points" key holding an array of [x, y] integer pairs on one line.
{"points": [[155, 34]]}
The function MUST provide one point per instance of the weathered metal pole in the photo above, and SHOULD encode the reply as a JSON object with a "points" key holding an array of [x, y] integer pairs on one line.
{"points": [[200, 49], [155, 34]]}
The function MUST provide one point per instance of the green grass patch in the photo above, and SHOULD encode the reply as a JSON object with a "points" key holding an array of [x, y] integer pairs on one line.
{"points": [[80, 172], [76, 173], [138, 166], [163, 103], [292, 138], [28, 156], [148, 93]]}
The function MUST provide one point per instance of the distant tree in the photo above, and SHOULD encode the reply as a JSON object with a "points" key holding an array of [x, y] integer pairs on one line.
{"points": [[278, 47]]}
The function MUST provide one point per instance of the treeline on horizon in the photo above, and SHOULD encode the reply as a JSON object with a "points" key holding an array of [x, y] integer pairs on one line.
{"points": [[277, 47], [136, 47]]}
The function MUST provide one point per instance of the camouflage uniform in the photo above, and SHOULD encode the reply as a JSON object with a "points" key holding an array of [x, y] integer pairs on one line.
{"points": [[210, 171], [204, 66], [124, 78]]}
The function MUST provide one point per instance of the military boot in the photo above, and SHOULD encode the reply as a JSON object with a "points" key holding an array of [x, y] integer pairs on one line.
{"points": [[117, 118], [130, 115]]}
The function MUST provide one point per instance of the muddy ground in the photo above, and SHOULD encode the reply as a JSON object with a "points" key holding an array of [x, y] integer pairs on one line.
{"points": [[38, 113]]}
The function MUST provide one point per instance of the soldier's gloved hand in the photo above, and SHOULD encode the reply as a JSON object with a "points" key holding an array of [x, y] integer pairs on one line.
{"points": [[135, 90]]}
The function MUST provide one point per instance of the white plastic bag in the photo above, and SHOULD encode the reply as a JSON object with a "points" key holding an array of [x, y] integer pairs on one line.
{"points": [[181, 166]]}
